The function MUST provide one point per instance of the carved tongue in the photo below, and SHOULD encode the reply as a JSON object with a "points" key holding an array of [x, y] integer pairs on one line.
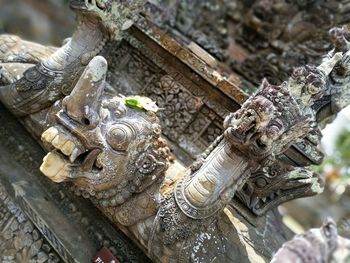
{"points": [[90, 159]]}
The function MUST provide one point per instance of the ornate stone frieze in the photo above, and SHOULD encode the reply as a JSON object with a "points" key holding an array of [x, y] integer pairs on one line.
{"points": [[110, 148], [190, 119], [260, 38]]}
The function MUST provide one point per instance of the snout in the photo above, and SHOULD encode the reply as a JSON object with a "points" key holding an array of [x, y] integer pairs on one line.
{"points": [[83, 102]]}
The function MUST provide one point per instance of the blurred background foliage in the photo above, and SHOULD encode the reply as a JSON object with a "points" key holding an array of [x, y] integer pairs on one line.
{"points": [[335, 200], [44, 21], [337, 165], [51, 21]]}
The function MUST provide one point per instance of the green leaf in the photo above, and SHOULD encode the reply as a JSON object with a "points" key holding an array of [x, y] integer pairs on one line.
{"points": [[133, 103]]}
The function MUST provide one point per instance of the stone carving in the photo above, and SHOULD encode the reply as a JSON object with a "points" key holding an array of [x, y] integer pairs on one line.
{"points": [[316, 245], [23, 156], [109, 147], [189, 118], [258, 38], [272, 186], [283, 181], [58, 70], [21, 241]]}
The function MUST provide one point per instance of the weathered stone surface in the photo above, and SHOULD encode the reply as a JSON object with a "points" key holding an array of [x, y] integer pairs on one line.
{"points": [[110, 147], [22, 157]]}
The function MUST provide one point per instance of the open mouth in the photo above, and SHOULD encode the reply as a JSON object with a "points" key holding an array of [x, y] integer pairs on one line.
{"points": [[251, 139], [69, 158], [260, 205], [299, 187], [243, 128]]}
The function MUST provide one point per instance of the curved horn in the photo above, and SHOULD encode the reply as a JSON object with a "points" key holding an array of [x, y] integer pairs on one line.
{"points": [[82, 104]]}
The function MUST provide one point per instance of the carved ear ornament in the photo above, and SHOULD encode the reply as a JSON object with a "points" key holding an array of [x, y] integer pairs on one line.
{"points": [[149, 166], [147, 163]]}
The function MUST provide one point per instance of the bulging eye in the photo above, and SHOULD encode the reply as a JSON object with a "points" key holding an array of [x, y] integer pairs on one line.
{"points": [[313, 89], [119, 136]]}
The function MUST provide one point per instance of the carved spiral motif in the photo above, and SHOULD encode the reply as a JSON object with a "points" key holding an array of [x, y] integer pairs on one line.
{"points": [[119, 136], [32, 74]]}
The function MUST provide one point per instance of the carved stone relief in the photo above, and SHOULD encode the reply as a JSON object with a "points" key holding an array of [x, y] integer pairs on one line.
{"points": [[190, 119], [20, 240], [109, 146], [259, 38]]}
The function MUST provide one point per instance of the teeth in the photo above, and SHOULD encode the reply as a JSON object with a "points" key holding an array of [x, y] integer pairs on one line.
{"points": [[74, 155], [98, 162], [68, 148], [49, 134], [59, 141], [54, 167], [63, 142], [62, 175]]}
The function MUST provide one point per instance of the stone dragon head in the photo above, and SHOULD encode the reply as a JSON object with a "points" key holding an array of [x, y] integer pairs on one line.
{"points": [[320, 92], [109, 148], [268, 123], [281, 181], [277, 184]]}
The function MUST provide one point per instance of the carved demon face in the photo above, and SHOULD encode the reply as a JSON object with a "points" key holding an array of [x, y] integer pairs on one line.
{"points": [[104, 147], [268, 123]]}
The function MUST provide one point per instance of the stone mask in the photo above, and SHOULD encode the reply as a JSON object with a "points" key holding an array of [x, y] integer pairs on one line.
{"points": [[101, 144]]}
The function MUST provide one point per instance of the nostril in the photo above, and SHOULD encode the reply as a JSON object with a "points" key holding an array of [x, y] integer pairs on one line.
{"points": [[90, 120], [86, 121], [82, 105]]}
